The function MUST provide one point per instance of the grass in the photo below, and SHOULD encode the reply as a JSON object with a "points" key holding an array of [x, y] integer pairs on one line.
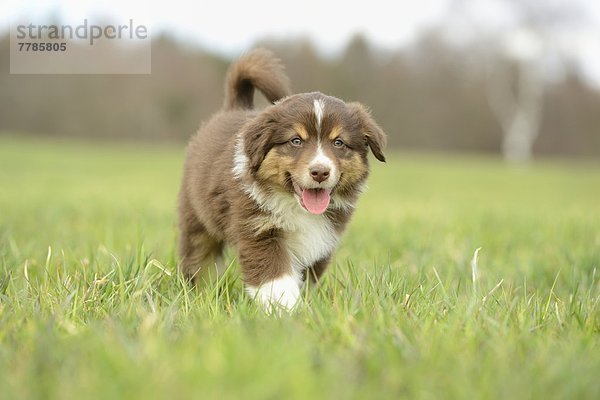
{"points": [[91, 305]]}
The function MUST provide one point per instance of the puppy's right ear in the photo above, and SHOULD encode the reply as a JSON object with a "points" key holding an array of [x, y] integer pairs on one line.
{"points": [[257, 136]]}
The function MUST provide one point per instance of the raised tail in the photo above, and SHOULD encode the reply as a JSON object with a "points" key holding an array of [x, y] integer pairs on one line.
{"points": [[260, 69]]}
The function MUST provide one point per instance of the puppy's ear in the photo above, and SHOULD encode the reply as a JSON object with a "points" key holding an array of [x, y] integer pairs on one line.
{"points": [[257, 139], [374, 135]]}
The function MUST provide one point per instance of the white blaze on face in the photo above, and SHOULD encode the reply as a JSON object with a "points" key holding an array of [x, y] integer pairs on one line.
{"points": [[320, 157], [318, 107]]}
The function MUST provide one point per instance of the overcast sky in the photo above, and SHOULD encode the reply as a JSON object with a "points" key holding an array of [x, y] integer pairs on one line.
{"points": [[230, 27]]}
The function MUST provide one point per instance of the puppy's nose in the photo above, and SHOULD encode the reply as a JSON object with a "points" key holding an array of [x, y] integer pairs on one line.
{"points": [[319, 172]]}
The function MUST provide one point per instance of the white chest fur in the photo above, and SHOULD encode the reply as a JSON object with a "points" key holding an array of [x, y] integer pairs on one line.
{"points": [[312, 240]]}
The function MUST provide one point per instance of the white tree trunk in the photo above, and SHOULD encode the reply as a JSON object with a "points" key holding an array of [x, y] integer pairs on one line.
{"points": [[518, 111]]}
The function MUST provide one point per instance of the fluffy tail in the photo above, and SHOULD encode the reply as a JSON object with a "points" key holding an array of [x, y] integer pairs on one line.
{"points": [[260, 69]]}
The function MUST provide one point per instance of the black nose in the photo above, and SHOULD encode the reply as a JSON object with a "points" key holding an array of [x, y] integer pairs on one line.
{"points": [[319, 172]]}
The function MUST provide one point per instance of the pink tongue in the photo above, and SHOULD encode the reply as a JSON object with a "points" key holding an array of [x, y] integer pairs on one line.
{"points": [[316, 200]]}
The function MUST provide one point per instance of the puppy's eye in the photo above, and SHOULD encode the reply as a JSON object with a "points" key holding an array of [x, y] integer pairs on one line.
{"points": [[296, 141], [338, 143]]}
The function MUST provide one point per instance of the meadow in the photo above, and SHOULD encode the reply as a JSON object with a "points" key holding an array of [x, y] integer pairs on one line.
{"points": [[92, 306]]}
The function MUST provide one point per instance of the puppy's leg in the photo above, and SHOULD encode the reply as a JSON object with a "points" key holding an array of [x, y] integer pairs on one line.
{"points": [[201, 254], [267, 272], [313, 274]]}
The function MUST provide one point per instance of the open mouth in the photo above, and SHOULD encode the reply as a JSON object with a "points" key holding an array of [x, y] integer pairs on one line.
{"points": [[314, 201]]}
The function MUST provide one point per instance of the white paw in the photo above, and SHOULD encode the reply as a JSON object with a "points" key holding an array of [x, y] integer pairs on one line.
{"points": [[281, 294]]}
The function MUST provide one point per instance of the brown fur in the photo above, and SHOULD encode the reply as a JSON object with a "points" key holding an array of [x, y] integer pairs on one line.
{"points": [[216, 204]]}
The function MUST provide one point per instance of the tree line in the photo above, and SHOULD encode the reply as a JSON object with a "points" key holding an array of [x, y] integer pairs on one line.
{"points": [[428, 96]]}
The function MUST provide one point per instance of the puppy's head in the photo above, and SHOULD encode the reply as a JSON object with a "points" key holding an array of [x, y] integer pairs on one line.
{"points": [[313, 147]]}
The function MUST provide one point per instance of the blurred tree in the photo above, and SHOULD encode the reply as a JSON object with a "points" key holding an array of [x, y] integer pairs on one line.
{"points": [[515, 64], [518, 106], [433, 94]]}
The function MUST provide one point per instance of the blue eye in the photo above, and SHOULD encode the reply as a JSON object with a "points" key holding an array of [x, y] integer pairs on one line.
{"points": [[296, 141], [338, 143]]}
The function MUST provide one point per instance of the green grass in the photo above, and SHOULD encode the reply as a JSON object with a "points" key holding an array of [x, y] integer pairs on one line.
{"points": [[91, 305]]}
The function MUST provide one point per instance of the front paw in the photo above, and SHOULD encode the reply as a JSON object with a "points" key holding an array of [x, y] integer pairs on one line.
{"points": [[279, 295]]}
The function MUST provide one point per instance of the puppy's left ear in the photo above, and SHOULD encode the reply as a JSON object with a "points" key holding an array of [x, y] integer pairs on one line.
{"points": [[257, 139], [374, 135]]}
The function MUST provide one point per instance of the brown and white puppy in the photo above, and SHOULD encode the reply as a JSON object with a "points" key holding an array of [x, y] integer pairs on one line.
{"points": [[279, 185]]}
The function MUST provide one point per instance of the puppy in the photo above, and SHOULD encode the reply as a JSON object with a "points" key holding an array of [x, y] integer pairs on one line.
{"points": [[279, 184]]}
